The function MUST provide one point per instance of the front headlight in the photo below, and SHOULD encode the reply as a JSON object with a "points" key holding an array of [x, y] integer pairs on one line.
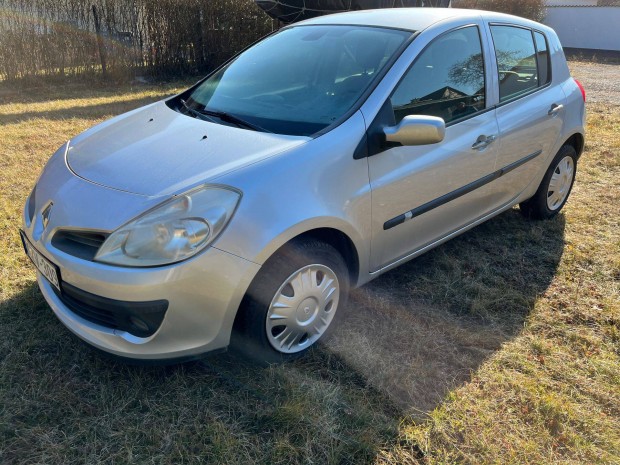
{"points": [[173, 231]]}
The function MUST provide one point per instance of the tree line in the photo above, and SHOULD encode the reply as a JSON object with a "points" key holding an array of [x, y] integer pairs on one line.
{"points": [[123, 38]]}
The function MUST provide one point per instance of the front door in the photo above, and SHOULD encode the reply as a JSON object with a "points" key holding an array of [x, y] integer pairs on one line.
{"points": [[423, 193]]}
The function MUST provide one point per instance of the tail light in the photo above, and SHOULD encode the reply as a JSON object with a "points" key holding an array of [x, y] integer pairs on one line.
{"points": [[583, 91]]}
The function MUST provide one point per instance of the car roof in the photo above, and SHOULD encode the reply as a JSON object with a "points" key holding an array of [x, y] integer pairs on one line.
{"points": [[412, 19]]}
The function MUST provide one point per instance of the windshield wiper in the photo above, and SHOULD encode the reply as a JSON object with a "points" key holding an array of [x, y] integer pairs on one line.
{"points": [[233, 119], [196, 113], [207, 115]]}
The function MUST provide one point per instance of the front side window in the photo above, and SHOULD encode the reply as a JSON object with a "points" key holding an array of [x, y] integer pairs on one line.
{"points": [[446, 80], [516, 61], [300, 80]]}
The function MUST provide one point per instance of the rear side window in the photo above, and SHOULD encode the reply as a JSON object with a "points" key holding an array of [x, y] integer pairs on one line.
{"points": [[516, 61], [544, 65], [446, 80]]}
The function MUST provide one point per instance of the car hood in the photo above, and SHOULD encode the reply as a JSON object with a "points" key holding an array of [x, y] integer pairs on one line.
{"points": [[155, 151]]}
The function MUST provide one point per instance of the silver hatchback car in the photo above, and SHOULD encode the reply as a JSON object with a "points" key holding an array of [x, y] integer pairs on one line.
{"points": [[244, 209]]}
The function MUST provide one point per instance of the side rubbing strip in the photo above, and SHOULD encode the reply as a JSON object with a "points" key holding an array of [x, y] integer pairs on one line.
{"points": [[516, 164], [461, 191]]}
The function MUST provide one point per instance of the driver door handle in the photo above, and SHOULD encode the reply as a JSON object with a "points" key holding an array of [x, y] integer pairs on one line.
{"points": [[483, 142]]}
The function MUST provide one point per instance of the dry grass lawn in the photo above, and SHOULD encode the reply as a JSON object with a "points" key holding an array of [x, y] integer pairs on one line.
{"points": [[502, 346]]}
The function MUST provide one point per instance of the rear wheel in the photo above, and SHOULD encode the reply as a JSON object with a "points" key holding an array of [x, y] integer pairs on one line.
{"points": [[293, 302], [555, 187]]}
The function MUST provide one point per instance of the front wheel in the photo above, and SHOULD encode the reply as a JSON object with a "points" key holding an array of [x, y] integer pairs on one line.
{"points": [[293, 302], [555, 187]]}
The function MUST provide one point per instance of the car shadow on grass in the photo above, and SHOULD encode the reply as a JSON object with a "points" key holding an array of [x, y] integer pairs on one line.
{"points": [[420, 330], [407, 339]]}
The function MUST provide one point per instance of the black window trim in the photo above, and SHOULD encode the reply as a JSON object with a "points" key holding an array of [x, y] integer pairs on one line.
{"points": [[538, 88], [484, 66], [549, 67]]}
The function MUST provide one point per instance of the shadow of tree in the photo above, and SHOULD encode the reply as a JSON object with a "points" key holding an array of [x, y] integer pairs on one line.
{"points": [[11, 94], [94, 111], [408, 338]]}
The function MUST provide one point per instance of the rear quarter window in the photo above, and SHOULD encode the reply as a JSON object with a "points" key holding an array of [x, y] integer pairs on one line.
{"points": [[543, 59]]}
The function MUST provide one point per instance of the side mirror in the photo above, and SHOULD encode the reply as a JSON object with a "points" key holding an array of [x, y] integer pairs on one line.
{"points": [[417, 130]]}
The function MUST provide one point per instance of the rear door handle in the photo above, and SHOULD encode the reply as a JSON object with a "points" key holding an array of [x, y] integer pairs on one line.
{"points": [[483, 142], [555, 109]]}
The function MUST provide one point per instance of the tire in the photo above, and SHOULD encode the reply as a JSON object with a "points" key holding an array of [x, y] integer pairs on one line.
{"points": [[292, 303], [549, 200]]}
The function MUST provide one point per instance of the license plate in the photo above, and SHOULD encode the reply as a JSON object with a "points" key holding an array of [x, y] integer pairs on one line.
{"points": [[42, 264]]}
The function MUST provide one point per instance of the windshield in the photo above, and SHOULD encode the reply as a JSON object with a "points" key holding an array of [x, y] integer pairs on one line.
{"points": [[299, 81]]}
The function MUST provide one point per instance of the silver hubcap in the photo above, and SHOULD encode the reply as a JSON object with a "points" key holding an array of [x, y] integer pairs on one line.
{"points": [[560, 183], [302, 309]]}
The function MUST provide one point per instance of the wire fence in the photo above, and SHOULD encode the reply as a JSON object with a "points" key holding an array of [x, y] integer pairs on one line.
{"points": [[121, 39]]}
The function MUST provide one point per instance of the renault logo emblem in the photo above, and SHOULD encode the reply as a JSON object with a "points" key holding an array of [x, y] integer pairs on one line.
{"points": [[45, 214]]}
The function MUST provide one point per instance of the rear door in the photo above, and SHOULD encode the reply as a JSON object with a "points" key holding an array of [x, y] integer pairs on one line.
{"points": [[422, 193], [530, 110]]}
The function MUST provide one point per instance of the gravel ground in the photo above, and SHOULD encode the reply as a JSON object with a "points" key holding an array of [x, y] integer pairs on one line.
{"points": [[601, 81]]}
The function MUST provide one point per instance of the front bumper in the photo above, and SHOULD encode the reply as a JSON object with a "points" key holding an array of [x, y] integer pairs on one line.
{"points": [[203, 294]]}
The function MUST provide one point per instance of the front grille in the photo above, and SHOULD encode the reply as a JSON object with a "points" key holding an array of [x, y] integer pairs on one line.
{"points": [[141, 319], [81, 244]]}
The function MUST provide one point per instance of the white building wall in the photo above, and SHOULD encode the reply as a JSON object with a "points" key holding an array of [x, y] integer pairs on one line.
{"points": [[571, 2], [595, 28]]}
